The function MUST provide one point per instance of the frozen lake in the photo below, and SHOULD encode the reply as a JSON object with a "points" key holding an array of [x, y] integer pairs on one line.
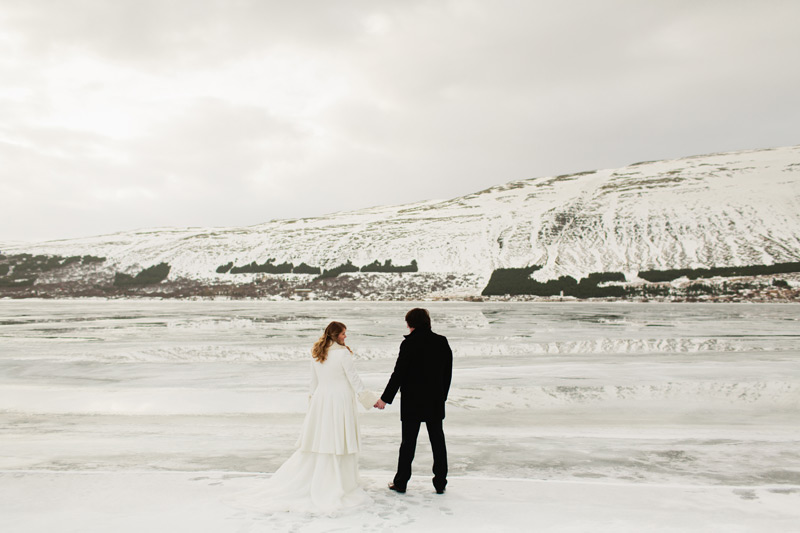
{"points": [[205, 397]]}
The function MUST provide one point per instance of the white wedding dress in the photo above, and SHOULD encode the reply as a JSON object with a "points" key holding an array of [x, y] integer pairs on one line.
{"points": [[322, 475]]}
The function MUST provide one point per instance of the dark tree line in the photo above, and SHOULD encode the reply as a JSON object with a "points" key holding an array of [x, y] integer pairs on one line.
{"points": [[661, 276], [518, 281], [22, 270], [269, 267], [148, 276]]}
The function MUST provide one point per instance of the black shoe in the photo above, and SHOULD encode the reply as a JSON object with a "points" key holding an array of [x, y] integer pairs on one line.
{"points": [[440, 491], [397, 488]]}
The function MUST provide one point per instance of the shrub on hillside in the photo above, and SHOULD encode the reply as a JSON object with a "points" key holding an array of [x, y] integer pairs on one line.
{"points": [[660, 276], [699, 288], [148, 276], [387, 266], [268, 267], [518, 281], [341, 269], [303, 268], [222, 269], [603, 277]]}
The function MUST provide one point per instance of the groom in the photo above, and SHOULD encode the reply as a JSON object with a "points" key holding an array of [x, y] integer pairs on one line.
{"points": [[422, 373]]}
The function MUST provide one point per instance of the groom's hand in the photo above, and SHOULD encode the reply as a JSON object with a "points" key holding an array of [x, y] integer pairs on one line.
{"points": [[380, 404]]}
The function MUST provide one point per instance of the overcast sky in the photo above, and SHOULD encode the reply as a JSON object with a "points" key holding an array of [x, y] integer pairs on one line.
{"points": [[128, 114]]}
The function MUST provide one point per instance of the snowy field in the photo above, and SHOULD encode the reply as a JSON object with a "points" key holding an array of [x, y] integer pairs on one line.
{"points": [[132, 416]]}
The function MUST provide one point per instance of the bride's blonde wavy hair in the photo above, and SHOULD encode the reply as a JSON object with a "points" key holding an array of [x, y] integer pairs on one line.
{"points": [[332, 332]]}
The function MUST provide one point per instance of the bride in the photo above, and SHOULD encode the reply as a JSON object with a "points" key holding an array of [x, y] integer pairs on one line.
{"points": [[322, 475]]}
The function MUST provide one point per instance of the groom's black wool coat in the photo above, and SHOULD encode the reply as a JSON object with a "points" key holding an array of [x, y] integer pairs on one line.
{"points": [[422, 374]]}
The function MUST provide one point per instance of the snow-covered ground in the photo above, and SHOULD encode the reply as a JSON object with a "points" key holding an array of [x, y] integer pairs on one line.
{"points": [[737, 208], [153, 415]]}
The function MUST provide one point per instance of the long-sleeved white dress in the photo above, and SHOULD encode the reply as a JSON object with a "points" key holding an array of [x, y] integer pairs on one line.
{"points": [[322, 475]]}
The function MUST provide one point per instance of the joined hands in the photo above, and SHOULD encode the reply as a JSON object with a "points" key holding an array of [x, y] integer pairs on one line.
{"points": [[380, 404]]}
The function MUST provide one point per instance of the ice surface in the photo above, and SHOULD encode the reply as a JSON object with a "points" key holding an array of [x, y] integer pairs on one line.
{"points": [[150, 415]]}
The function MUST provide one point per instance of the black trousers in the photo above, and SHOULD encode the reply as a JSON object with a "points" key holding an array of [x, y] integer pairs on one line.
{"points": [[409, 445]]}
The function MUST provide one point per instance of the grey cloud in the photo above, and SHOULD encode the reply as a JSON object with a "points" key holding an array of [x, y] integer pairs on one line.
{"points": [[426, 99], [212, 139], [155, 33]]}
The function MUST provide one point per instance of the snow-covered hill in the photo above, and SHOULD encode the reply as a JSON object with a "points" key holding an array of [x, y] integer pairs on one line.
{"points": [[726, 209]]}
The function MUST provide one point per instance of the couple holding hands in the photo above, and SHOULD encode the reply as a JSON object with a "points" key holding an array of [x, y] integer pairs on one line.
{"points": [[322, 475]]}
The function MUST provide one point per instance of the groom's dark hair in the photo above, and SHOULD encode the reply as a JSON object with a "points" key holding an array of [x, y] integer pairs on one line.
{"points": [[418, 318]]}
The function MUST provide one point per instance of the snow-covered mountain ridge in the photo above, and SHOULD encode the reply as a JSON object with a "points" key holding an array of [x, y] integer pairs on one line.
{"points": [[728, 209]]}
